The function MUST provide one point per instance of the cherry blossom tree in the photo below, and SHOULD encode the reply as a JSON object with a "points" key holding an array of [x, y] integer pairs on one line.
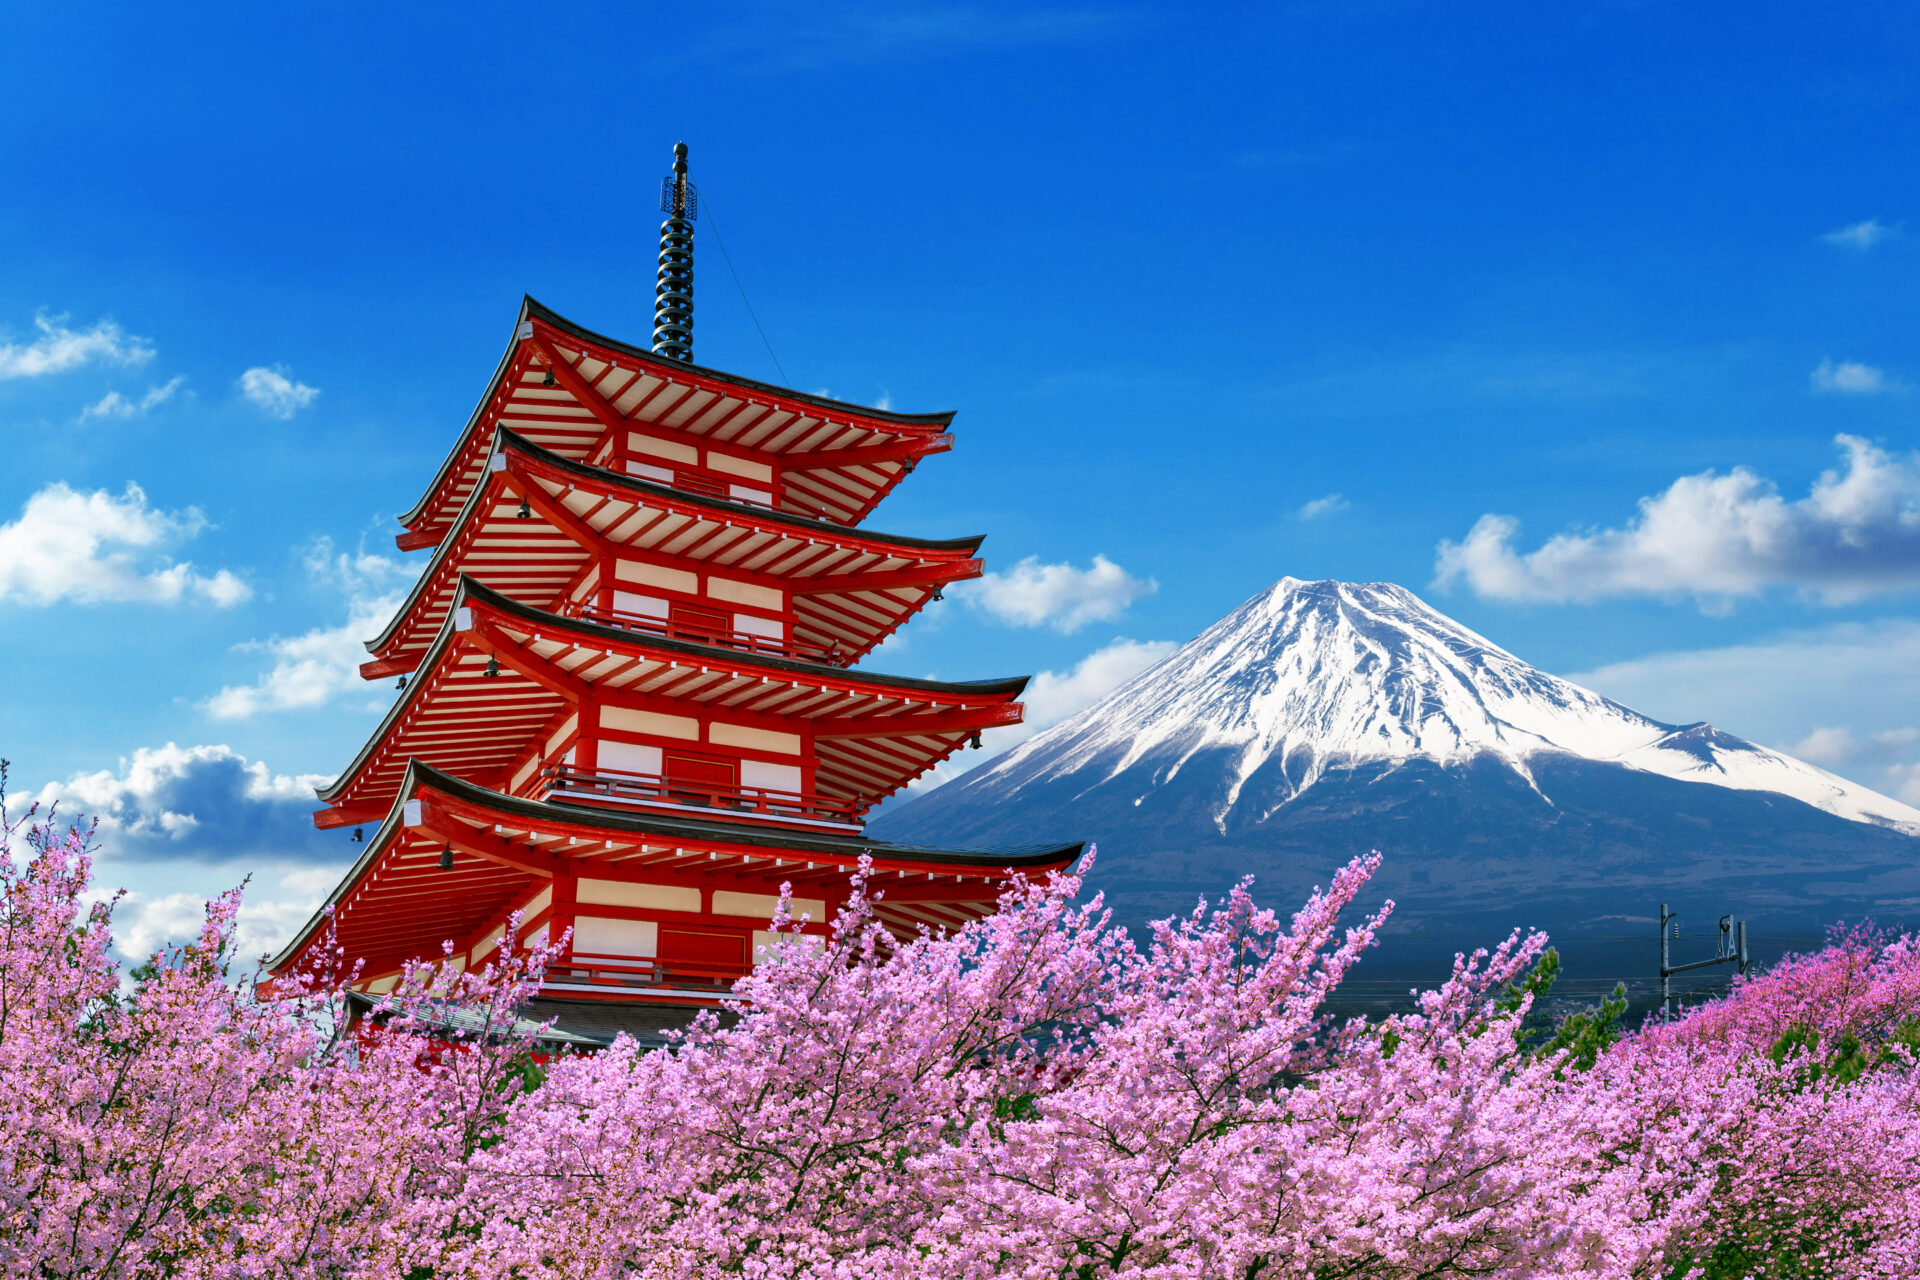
{"points": [[1037, 1094]]}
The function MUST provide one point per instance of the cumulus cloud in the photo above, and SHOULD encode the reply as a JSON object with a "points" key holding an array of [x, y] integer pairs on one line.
{"points": [[1051, 697], [1861, 236], [275, 392], [1903, 783], [1719, 538], [311, 669], [57, 348], [1840, 696], [1331, 505], [1839, 745], [115, 405], [178, 825], [1851, 378], [94, 548], [1031, 594], [272, 908], [208, 803]]}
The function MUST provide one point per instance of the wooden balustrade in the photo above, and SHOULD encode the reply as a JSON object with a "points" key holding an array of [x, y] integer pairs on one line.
{"points": [[768, 802], [743, 641]]}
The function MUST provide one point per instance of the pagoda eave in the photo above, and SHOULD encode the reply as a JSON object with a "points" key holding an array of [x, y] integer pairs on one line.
{"points": [[802, 432], [843, 591], [505, 687], [399, 902]]}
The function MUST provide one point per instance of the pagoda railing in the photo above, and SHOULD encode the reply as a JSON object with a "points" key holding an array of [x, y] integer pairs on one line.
{"points": [[744, 641], [601, 970], [762, 802]]}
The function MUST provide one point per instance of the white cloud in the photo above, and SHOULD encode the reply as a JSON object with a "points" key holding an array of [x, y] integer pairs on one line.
{"points": [[1839, 745], [1051, 697], [310, 669], [1861, 236], [885, 402], [94, 548], [58, 349], [1842, 697], [115, 405], [1851, 378], [1031, 594], [1903, 783], [177, 825], [276, 393], [1331, 505], [144, 922], [160, 792], [1717, 538]]}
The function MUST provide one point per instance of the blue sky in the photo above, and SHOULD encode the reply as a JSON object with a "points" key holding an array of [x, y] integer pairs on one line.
{"points": [[1558, 315]]}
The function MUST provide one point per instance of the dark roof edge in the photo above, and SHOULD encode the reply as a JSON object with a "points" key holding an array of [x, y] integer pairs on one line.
{"points": [[755, 834], [420, 774], [504, 437], [469, 589], [531, 308], [601, 475]]}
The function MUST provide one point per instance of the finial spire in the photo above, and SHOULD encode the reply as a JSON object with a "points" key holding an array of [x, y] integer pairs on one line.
{"points": [[673, 290]]}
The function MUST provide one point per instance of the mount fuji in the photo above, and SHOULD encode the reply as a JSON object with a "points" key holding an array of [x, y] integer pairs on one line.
{"points": [[1323, 719]]}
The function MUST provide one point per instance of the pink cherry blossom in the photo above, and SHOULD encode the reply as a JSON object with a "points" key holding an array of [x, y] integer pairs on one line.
{"points": [[1036, 1094]]}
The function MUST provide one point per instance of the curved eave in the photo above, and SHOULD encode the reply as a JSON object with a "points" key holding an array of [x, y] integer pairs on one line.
{"points": [[600, 479], [533, 310], [1010, 686], [1007, 688], [419, 776]]}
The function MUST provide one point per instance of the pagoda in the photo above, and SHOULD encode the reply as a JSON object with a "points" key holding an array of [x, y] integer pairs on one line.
{"points": [[629, 710]]}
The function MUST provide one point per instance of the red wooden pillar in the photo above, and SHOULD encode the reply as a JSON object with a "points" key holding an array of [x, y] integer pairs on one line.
{"points": [[566, 899]]}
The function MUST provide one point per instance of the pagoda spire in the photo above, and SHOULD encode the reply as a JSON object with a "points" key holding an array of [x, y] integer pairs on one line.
{"points": [[673, 291]]}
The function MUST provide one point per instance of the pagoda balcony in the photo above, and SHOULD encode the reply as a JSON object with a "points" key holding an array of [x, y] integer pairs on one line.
{"points": [[698, 799], [640, 975], [742, 641]]}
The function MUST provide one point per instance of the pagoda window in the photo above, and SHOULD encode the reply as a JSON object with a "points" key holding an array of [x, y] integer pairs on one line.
{"points": [[600, 936], [751, 594], [616, 756], [670, 452], [658, 474], [649, 723], [771, 777], [760, 906], [649, 897], [657, 575]]}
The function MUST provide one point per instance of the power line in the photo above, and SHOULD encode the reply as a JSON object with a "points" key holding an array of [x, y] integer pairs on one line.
{"points": [[715, 224]]}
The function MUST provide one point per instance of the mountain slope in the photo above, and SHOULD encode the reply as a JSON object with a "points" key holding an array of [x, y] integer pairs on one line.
{"points": [[1321, 718]]}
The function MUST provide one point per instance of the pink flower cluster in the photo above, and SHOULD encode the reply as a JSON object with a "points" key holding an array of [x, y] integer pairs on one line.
{"points": [[1036, 1095]]}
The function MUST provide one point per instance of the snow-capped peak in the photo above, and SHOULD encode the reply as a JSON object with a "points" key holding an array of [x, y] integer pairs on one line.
{"points": [[1327, 675]]}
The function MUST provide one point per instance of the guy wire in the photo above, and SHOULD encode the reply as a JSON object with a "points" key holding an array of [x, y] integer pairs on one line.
{"points": [[728, 259]]}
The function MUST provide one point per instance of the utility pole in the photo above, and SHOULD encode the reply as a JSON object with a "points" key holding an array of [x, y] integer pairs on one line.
{"points": [[1732, 950]]}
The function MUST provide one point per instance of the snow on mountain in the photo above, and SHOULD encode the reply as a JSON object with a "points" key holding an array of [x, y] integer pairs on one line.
{"points": [[1310, 678]]}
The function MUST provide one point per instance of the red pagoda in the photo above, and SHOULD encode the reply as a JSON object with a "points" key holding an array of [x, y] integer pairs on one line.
{"points": [[629, 708]]}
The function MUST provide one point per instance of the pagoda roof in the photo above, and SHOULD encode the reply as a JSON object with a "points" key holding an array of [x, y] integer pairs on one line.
{"points": [[851, 588], [395, 903], [873, 734], [606, 384]]}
